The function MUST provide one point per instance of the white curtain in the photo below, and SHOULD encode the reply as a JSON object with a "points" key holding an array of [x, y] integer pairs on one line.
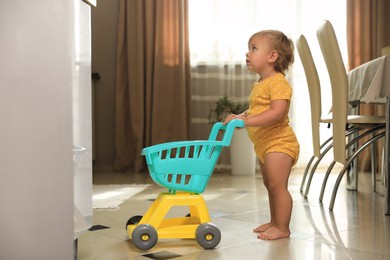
{"points": [[219, 33]]}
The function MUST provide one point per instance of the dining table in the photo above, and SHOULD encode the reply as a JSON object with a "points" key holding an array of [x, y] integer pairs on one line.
{"points": [[370, 83]]}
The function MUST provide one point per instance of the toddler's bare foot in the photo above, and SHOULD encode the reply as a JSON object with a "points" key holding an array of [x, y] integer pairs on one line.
{"points": [[273, 233], [263, 228]]}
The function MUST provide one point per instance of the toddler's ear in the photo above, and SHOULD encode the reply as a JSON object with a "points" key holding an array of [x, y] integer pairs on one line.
{"points": [[274, 55]]}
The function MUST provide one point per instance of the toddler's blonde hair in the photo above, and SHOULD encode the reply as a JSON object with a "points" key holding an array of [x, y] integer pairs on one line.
{"points": [[283, 45]]}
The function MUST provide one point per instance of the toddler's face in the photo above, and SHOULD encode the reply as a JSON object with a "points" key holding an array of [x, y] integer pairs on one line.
{"points": [[259, 56]]}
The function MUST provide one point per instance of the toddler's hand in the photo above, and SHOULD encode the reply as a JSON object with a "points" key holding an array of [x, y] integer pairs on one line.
{"points": [[229, 118], [233, 116]]}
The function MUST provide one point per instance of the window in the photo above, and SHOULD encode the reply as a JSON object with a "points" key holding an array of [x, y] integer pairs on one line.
{"points": [[219, 31]]}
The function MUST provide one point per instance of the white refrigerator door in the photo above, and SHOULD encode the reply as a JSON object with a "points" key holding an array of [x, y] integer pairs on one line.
{"points": [[82, 119]]}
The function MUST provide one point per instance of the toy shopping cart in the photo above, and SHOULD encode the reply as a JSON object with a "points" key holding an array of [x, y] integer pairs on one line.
{"points": [[184, 168]]}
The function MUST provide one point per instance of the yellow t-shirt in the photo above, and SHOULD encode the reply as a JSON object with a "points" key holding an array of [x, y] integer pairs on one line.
{"points": [[278, 137]]}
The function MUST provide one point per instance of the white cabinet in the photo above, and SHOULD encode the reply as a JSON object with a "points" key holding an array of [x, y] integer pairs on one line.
{"points": [[44, 86], [82, 119]]}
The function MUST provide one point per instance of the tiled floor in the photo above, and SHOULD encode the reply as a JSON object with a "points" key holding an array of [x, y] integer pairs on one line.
{"points": [[356, 229]]}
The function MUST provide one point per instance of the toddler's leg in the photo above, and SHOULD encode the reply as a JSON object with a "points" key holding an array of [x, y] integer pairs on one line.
{"points": [[278, 168], [264, 227]]}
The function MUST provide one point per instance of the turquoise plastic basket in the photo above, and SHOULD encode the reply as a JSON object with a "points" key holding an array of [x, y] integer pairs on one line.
{"points": [[188, 165]]}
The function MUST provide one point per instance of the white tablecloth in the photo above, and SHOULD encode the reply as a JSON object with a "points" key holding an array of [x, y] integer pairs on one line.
{"points": [[370, 82]]}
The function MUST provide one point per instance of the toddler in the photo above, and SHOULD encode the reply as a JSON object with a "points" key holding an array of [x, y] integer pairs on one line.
{"points": [[270, 53]]}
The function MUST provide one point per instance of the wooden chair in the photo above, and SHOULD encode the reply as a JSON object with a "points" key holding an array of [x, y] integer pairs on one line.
{"points": [[341, 118]]}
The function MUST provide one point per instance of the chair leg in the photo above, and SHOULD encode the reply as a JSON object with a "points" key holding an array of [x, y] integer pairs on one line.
{"points": [[341, 174], [352, 143], [352, 180], [328, 171], [373, 165], [314, 168], [382, 170], [305, 173], [310, 162], [350, 131]]}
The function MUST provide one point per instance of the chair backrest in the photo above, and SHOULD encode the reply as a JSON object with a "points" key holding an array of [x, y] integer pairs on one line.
{"points": [[338, 77], [314, 86], [385, 51]]}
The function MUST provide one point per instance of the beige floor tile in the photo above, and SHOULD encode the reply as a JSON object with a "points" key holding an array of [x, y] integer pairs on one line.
{"points": [[356, 229]]}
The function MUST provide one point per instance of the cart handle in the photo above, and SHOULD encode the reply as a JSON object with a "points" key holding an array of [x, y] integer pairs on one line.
{"points": [[177, 145], [227, 137], [228, 130]]}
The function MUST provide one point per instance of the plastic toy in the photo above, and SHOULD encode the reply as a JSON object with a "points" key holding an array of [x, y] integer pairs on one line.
{"points": [[185, 168]]}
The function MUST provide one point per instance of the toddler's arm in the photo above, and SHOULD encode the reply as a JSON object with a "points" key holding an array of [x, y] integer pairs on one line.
{"points": [[277, 111]]}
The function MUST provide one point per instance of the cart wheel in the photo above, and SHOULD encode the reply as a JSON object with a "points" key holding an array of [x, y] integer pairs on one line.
{"points": [[208, 235], [134, 220], [144, 237]]}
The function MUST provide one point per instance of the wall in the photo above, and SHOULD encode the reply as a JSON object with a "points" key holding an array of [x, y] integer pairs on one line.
{"points": [[104, 23], [36, 159]]}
